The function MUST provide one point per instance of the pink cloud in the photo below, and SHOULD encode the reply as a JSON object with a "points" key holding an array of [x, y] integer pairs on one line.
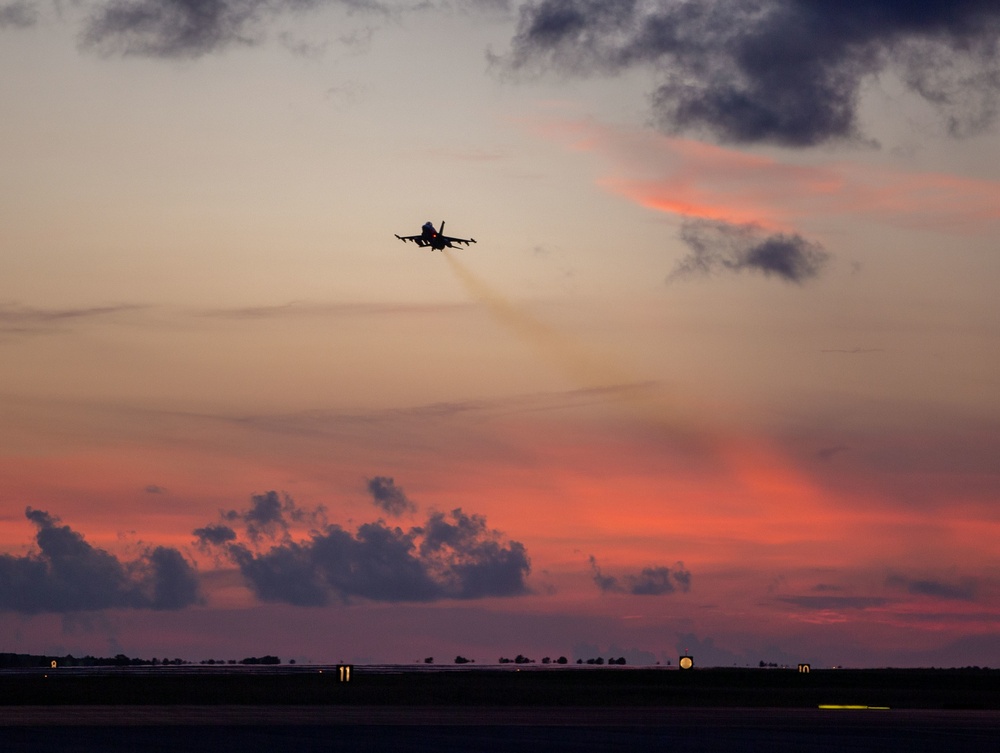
{"points": [[700, 180]]}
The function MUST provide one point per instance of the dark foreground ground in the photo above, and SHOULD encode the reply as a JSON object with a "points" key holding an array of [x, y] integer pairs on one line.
{"points": [[502, 710]]}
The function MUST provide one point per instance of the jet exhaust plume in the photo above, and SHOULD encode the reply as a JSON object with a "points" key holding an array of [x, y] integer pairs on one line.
{"points": [[582, 369], [586, 370]]}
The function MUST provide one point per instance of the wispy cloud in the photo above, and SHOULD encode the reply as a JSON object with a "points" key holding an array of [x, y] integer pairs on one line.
{"points": [[741, 212], [26, 319], [823, 603], [306, 309], [962, 589], [702, 181]]}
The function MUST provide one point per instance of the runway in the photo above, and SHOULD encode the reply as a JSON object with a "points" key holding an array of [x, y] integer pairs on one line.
{"points": [[220, 729]]}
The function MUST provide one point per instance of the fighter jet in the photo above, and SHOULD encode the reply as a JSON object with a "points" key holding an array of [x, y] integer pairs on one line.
{"points": [[435, 239]]}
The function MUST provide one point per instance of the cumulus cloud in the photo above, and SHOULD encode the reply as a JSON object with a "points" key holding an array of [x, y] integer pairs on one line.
{"points": [[67, 574], [388, 497], [269, 515], [451, 556], [723, 247], [650, 581], [788, 72]]}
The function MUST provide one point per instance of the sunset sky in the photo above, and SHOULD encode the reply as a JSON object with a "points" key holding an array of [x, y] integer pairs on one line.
{"points": [[721, 374]]}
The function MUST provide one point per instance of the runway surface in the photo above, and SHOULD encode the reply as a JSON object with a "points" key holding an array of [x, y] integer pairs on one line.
{"points": [[221, 729]]}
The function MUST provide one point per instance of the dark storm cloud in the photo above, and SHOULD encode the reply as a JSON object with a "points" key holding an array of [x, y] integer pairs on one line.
{"points": [[723, 247], [67, 575], [18, 15], [781, 71], [388, 497], [650, 581], [453, 556]]}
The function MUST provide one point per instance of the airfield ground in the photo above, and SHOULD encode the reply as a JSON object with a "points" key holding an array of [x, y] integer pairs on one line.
{"points": [[553, 710], [619, 687]]}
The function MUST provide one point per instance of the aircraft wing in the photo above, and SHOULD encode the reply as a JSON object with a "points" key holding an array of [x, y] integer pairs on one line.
{"points": [[449, 239], [418, 239]]}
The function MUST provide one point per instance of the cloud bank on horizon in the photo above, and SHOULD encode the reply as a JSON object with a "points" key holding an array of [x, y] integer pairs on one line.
{"points": [[450, 556], [786, 72], [453, 555]]}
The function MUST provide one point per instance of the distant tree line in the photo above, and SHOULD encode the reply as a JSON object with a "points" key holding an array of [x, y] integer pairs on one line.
{"points": [[248, 660], [8, 661], [520, 659], [119, 660]]}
